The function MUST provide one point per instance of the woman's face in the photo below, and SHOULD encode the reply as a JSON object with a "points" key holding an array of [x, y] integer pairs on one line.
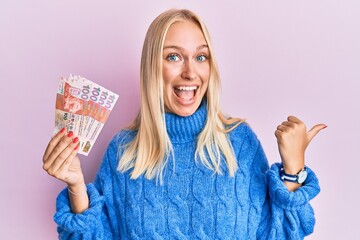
{"points": [[186, 68]]}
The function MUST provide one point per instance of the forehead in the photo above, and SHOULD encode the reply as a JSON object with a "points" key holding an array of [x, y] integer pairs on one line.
{"points": [[184, 34]]}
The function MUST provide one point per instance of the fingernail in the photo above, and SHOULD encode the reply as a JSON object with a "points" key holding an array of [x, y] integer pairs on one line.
{"points": [[77, 147], [62, 130], [76, 140], [325, 126], [70, 133]]}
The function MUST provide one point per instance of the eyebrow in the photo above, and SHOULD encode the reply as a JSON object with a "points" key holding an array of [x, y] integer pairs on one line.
{"points": [[182, 49]]}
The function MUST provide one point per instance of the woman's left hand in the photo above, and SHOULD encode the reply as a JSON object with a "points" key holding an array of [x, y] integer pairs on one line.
{"points": [[293, 139]]}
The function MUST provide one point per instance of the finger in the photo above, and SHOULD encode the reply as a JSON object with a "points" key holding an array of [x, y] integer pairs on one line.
{"points": [[65, 141], [278, 134], [288, 124], [63, 156], [66, 164], [53, 142], [294, 119], [283, 128], [315, 130]]}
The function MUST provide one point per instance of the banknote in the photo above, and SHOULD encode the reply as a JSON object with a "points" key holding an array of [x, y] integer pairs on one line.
{"points": [[102, 103], [82, 106], [77, 89], [61, 116]]}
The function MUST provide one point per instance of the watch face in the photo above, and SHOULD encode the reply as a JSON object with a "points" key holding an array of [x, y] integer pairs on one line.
{"points": [[302, 176]]}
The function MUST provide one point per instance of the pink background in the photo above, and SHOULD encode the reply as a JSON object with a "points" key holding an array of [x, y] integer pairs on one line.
{"points": [[276, 58]]}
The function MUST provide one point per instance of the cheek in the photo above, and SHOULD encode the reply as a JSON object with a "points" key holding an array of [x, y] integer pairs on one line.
{"points": [[168, 75], [205, 74]]}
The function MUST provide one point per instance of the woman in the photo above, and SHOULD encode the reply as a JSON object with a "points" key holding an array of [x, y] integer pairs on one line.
{"points": [[183, 170]]}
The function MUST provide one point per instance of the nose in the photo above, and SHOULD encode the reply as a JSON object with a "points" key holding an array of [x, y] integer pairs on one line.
{"points": [[188, 71]]}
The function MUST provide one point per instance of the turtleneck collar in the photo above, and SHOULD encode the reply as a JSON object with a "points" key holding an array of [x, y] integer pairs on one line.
{"points": [[185, 129]]}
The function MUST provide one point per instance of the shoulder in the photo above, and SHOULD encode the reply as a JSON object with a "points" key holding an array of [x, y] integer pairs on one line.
{"points": [[123, 137], [118, 143], [244, 142], [108, 166], [243, 133]]}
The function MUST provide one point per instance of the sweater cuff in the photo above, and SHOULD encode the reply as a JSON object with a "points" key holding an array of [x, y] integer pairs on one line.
{"points": [[285, 199], [82, 222]]}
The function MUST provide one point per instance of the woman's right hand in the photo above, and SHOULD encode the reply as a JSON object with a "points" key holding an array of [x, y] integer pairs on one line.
{"points": [[60, 159]]}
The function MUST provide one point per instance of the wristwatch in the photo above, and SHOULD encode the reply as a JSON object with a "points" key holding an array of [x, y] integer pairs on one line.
{"points": [[300, 177]]}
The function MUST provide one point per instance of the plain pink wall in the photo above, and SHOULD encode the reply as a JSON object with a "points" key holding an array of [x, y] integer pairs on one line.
{"points": [[276, 58]]}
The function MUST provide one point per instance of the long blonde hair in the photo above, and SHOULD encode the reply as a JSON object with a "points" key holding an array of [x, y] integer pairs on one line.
{"points": [[148, 152]]}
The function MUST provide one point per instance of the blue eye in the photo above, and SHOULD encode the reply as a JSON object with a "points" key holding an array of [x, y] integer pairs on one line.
{"points": [[201, 58], [173, 58]]}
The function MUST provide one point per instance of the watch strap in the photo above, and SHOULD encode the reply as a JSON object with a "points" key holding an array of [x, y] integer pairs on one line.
{"points": [[289, 177]]}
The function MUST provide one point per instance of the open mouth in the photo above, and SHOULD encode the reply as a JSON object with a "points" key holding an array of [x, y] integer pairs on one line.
{"points": [[185, 92]]}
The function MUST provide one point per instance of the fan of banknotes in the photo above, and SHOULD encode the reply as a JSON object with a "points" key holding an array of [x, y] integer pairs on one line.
{"points": [[83, 107]]}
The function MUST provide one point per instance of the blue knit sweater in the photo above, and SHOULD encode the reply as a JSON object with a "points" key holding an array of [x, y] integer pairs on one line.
{"points": [[192, 202]]}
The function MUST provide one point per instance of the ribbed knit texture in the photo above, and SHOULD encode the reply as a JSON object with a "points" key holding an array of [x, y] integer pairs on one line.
{"points": [[192, 202]]}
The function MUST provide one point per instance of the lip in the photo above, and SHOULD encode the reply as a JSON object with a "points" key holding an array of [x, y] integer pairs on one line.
{"points": [[187, 85], [182, 101]]}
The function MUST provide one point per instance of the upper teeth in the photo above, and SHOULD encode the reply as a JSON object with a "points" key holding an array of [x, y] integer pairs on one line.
{"points": [[187, 88]]}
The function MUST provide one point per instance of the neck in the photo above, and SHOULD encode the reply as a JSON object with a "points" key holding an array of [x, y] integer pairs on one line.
{"points": [[185, 129]]}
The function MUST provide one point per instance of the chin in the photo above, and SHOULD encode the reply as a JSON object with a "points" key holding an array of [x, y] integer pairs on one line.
{"points": [[182, 107], [185, 111]]}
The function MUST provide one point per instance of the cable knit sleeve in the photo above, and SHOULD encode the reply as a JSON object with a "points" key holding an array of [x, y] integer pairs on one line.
{"points": [[275, 213], [97, 221], [284, 214], [288, 215], [79, 226]]}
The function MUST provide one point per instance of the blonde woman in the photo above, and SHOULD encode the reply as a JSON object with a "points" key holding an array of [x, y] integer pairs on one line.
{"points": [[184, 170]]}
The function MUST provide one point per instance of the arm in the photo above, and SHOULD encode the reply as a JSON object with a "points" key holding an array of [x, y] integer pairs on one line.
{"points": [[61, 162], [274, 212], [293, 139], [85, 225], [97, 221], [281, 211], [282, 214]]}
